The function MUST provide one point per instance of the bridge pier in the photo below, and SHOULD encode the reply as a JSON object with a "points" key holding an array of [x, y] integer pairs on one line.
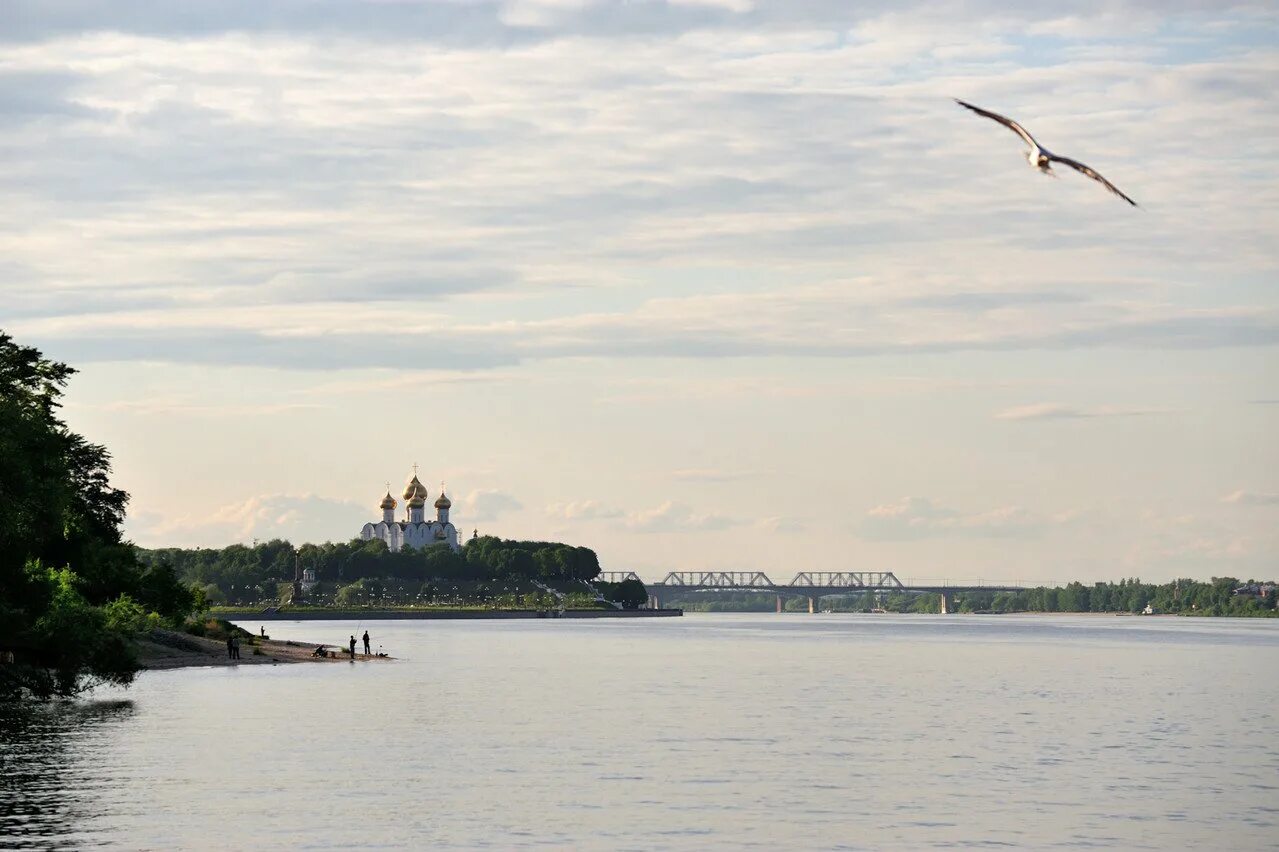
{"points": [[779, 603], [947, 603], [654, 602], [812, 605]]}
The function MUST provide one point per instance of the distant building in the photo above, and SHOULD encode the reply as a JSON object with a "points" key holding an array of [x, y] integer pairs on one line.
{"points": [[1259, 590], [415, 530], [309, 580]]}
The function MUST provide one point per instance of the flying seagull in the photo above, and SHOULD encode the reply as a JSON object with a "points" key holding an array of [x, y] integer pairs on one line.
{"points": [[1039, 156]]}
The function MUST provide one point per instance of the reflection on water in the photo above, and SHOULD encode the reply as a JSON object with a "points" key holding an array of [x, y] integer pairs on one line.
{"points": [[717, 731], [51, 794]]}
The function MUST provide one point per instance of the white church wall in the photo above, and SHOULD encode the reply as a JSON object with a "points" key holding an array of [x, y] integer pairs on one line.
{"points": [[417, 530]]}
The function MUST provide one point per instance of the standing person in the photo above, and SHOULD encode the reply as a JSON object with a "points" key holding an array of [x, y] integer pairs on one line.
{"points": [[366, 643], [235, 647], [353, 646], [230, 647]]}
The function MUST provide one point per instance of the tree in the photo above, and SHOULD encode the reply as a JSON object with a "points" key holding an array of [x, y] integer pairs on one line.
{"points": [[631, 594], [360, 592], [62, 556], [70, 646]]}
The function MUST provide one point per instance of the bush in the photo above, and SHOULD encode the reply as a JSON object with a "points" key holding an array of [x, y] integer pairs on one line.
{"points": [[127, 616], [215, 628], [213, 594], [74, 648]]}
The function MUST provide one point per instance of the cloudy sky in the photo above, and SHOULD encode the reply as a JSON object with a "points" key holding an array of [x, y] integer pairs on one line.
{"points": [[717, 284]]}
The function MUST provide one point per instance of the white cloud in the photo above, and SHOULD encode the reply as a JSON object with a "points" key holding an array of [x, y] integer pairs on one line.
{"points": [[919, 518], [779, 524], [582, 510], [488, 504], [738, 6], [1252, 498], [189, 405], [1188, 543], [540, 13], [296, 517], [708, 474], [592, 156], [1056, 411], [677, 517]]}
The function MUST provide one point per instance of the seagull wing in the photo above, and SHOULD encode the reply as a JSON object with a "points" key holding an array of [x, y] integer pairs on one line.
{"points": [[1090, 172], [1004, 120]]}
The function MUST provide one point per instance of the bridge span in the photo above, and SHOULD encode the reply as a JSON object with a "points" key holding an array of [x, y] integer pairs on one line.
{"points": [[811, 584]]}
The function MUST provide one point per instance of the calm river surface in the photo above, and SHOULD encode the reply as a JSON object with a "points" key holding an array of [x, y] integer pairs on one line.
{"points": [[710, 731]]}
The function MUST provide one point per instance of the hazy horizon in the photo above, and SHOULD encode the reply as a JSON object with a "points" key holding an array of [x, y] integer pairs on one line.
{"points": [[704, 284]]}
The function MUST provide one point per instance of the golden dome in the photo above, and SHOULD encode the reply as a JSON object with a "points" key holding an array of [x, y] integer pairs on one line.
{"points": [[443, 502], [388, 502], [415, 489]]}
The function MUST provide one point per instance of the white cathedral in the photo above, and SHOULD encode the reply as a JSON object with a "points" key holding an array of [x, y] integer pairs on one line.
{"points": [[415, 530]]}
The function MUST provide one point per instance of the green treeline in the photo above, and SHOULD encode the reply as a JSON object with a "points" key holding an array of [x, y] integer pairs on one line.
{"points": [[1218, 596], [1225, 596], [73, 594], [485, 569]]}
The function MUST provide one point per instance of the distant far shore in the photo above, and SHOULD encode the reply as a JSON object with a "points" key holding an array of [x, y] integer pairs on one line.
{"points": [[982, 612], [286, 614]]}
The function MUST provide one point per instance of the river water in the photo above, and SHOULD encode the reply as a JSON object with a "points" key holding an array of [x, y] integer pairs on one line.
{"points": [[708, 731]]}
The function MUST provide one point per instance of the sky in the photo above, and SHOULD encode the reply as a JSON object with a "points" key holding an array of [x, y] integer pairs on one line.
{"points": [[700, 284]]}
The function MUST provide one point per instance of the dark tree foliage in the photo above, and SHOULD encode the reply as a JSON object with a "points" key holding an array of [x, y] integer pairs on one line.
{"points": [[535, 559], [62, 557], [243, 574], [631, 594]]}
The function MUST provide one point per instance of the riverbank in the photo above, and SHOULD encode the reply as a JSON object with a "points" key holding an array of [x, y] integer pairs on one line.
{"points": [[167, 649], [320, 614]]}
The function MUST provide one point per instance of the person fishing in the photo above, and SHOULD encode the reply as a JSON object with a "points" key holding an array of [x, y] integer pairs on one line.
{"points": [[366, 643], [353, 646]]}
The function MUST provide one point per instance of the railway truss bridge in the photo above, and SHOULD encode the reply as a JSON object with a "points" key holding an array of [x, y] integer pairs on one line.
{"points": [[811, 584]]}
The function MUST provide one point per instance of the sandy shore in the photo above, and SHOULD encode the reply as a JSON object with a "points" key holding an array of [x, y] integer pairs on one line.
{"points": [[166, 649], [251, 620]]}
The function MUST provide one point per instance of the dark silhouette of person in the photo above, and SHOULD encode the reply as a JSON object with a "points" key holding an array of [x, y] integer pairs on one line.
{"points": [[235, 646], [366, 643], [230, 647], [353, 647]]}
